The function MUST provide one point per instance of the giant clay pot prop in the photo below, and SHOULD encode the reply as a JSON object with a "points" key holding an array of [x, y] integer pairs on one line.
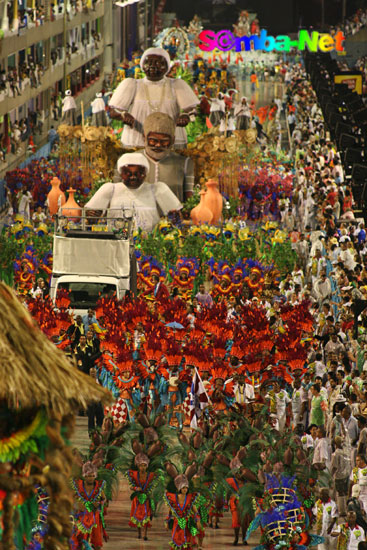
{"points": [[213, 200], [71, 208], [56, 197], [201, 213]]}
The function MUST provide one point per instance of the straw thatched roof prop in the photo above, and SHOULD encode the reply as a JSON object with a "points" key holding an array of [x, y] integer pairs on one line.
{"points": [[33, 372]]}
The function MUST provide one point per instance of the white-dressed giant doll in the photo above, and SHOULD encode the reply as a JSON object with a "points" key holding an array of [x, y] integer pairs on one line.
{"points": [[149, 201], [135, 99]]}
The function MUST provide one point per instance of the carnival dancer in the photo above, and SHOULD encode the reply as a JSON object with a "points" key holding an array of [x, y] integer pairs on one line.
{"points": [[128, 384], [141, 483], [326, 516], [359, 476], [217, 110], [349, 534], [98, 105], [176, 395], [89, 506], [69, 109], [222, 394], [153, 376], [243, 392], [242, 114], [182, 515], [236, 482], [133, 100]]}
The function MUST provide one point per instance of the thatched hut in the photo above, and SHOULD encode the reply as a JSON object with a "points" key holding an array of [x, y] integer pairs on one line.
{"points": [[40, 393]]}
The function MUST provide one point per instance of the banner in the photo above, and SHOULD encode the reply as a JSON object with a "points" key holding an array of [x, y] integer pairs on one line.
{"points": [[353, 80]]}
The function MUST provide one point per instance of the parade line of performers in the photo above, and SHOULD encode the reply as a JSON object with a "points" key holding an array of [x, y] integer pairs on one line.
{"points": [[267, 371]]}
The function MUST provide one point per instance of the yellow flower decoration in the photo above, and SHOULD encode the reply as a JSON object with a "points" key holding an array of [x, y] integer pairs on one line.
{"points": [[229, 229], [164, 227], [17, 227], [279, 236], [195, 230], [170, 237], [244, 234], [270, 225]]}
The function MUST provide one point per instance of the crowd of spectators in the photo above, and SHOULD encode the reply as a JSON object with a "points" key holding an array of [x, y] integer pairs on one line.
{"points": [[14, 81]]}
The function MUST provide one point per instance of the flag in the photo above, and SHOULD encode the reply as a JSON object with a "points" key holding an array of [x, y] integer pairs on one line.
{"points": [[199, 399]]}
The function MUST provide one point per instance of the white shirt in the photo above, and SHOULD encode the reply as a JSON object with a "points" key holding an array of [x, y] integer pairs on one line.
{"points": [[281, 401], [329, 513], [243, 393], [356, 535], [217, 105], [320, 368], [347, 258], [299, 396], [68, 103], [321, 452], [142, 97], [145, 200], [98, 105]]}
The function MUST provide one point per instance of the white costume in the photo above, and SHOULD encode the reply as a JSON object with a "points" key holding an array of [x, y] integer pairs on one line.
{"points": [[145, 200], [299, 397], [242, 114], [217, 110], [68, 102], [329, 515], [142, 97], [69, 109], [98, 111], [355, 536], [24, 205], [359, 476], [244, 393]]}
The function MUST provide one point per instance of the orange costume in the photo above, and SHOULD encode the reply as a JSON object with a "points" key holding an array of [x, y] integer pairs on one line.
{"points": [[141, 511], [183, 521], [89, 523], [233, 501]]}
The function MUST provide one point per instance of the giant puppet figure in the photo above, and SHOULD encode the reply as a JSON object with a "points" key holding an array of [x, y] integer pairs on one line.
{"points": [[165, 164], [135, 99]]}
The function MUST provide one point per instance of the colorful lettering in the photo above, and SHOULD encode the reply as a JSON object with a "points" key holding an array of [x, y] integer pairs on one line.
{"points": [[326, 43], [225, 40], [305, 39]]}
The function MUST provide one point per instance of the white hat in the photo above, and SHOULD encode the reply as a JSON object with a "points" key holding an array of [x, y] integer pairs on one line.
{"points": [[156, 51], [68, 92], [99, 94], [136, 159]]}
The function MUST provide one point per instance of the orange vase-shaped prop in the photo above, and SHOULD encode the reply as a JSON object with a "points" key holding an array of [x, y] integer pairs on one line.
{"points": [[201, 213], [56, 197], [213, 200], [71, 208]]}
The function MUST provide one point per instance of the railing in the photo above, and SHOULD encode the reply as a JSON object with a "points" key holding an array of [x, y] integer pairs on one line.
{"points": [[115, 223]]}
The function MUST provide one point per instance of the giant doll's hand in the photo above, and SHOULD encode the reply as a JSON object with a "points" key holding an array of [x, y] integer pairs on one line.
{"points": [[183, 120], [116, 115], [128, 119]]}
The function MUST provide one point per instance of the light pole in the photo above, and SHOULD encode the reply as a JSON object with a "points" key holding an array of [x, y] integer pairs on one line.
{"points": [[344, 10]]}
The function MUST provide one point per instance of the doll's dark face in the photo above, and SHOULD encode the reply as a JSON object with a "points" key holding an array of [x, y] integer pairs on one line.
{"points": [[155, 67], [133, 175]]}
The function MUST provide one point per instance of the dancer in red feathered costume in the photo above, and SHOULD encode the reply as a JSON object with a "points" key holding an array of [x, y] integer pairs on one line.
{"points": [[141, 482]]}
